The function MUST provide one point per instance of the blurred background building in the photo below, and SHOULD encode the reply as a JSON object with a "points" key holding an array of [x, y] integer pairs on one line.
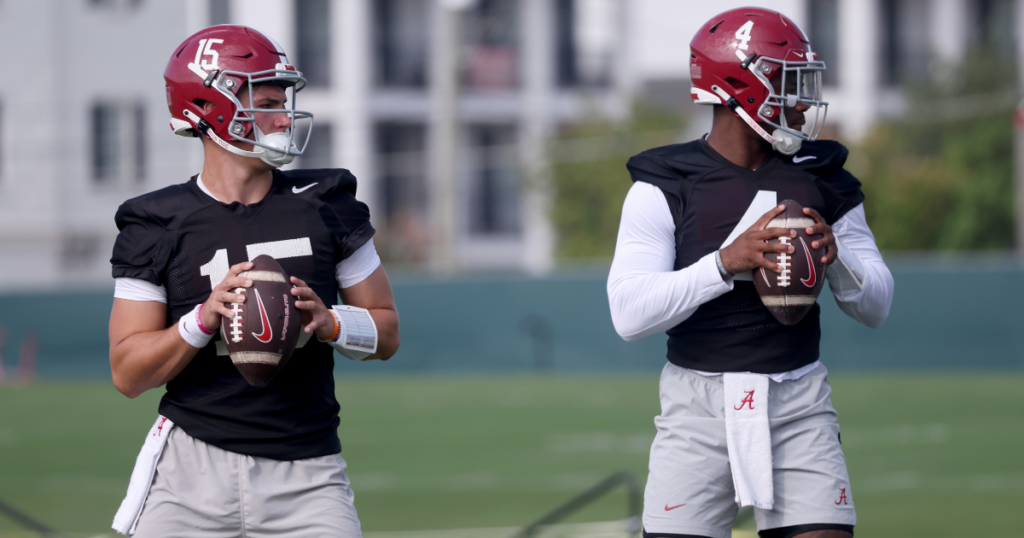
{"points": [[444, 109]]}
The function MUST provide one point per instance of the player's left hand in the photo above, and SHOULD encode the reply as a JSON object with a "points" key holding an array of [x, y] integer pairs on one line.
{"points": [[828, 239], [315, 316]]}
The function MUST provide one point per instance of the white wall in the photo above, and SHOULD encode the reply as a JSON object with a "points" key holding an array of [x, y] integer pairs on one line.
{"points": [[663, 30], [69, 55]]}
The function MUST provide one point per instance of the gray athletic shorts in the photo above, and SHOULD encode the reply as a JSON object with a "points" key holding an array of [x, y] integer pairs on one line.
{"points": [[206, 492], [690, 487]]}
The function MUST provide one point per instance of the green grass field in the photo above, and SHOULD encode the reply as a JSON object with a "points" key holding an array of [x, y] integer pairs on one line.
{"points": [[928, 455]]}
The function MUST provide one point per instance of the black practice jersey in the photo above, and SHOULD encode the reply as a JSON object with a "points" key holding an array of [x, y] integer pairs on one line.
{"points": [[184, 240], [707, 196]]}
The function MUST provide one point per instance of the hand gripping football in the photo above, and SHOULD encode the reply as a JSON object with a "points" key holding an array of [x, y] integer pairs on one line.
{"points": [[790, 294], [262, 335]]}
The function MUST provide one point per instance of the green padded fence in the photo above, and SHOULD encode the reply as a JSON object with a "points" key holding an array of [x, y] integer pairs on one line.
{"points": [[945, 315]]}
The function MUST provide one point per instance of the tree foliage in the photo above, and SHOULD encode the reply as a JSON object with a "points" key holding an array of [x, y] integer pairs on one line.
{"points": [[941, 178], [590, 179]]}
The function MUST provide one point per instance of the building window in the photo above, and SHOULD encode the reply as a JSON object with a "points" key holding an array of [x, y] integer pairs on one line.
{"points": [[138, 143], [494, 180], [402, 42], [906, 43], [401, 172], [114, 4], [118, 134], [585, 40], [220, 12], [824, 35], [491, 33], [313, 23], [1, 139], [78, 250], [106, 143], [319, 152], [993, 27]]}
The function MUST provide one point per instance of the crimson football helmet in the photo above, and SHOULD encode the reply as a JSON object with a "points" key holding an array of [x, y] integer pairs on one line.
{"points": [[757, 61], [213, 66]]}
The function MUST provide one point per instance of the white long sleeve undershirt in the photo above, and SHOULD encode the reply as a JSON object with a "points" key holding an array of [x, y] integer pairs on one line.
{"points": [[646, 296]]}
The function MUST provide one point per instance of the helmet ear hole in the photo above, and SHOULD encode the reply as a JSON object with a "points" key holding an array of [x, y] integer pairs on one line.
{"points": [[203, 104], [737, 84]]}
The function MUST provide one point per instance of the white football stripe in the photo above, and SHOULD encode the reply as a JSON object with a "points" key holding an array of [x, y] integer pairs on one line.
{"points": [[789, 300], [790, 223], [255, 357], [264, 276]]}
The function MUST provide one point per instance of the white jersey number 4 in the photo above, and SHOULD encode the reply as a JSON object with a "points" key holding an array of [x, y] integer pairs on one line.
{"points": [[763, 201]]}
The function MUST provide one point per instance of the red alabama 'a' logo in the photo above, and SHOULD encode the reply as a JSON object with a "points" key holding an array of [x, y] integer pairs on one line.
{"points": [[268, 332], [842, 496], [748, 400]]}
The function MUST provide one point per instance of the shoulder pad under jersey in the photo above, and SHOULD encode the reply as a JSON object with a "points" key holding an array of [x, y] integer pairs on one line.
{"points": [[820, 157], [318, 183], [839, 189], [165, 207], [666, 166], [333, 192]]}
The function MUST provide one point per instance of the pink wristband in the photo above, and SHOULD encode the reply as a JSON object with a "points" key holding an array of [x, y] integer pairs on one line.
{"points": [[199, 320]]}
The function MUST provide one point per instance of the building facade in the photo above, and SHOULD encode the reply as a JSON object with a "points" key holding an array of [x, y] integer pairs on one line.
{"points": [[441, 108]]}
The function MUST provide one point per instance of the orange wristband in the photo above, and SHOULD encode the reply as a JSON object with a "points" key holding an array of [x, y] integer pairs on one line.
{"points": [[337, 327]]}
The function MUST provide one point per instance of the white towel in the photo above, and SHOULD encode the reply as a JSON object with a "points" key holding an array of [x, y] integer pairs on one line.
{"points": [[127, 517], [749, 439]]}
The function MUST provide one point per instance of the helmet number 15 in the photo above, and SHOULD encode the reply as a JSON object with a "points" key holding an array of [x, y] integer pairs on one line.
{"points": [[206, 49]]}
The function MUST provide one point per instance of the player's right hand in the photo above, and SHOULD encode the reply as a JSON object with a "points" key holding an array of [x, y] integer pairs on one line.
{"points": [[223, 295], [747, 251]]}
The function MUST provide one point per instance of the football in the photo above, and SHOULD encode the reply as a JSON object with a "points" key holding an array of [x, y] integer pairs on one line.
{"points": [[791, 293], [263, 333]]}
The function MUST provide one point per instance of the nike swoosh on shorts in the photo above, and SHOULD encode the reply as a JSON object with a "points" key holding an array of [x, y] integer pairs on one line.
{"points": [[804, 158], [297, 190]]}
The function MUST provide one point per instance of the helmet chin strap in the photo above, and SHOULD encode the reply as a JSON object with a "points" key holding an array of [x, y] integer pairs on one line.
{"points": [[273, 157], [781, 141], [785, 143], [283, 147], [277, 159]]}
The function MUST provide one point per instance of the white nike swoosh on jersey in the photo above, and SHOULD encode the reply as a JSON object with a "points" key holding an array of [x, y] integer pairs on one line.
{"points": [[804, 158], [297, 190]]}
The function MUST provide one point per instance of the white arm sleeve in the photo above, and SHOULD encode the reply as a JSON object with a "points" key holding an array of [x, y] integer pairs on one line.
{"points": [[361, 264], [136, 289], [859, 279], [645, 295]]}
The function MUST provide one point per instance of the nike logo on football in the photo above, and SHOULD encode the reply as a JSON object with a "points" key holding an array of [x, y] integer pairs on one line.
{"points": [[297, 190], [804, 158], [813, 278], [670, 508], [267, 332]]}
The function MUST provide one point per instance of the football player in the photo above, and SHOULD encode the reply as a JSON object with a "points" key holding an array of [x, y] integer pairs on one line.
{"points": [[226, 458], [692, 229]]}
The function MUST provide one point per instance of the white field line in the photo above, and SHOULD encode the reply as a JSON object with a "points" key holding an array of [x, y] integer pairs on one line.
{"points": [[606, 529]]}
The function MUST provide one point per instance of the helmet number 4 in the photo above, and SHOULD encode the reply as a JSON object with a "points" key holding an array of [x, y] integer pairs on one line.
{"points": [[743, 34]]}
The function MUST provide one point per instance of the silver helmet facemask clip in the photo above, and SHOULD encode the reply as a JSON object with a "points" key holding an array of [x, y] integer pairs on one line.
{"points": [[275, 149], [799, 82]]}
